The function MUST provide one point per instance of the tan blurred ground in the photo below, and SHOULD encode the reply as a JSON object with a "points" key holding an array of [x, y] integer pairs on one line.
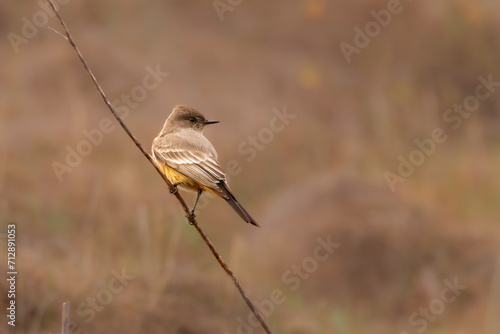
{"points": [[320, 176]]}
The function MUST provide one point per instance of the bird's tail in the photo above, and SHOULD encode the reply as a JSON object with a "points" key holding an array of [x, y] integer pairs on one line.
{"points": [[231, 200]]}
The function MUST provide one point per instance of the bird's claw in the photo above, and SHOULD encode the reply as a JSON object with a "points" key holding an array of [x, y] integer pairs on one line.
{"points": [[191, 217], [175, 190]]}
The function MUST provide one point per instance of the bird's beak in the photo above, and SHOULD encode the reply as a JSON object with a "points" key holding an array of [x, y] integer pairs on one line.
{"points": [[210, 122]]}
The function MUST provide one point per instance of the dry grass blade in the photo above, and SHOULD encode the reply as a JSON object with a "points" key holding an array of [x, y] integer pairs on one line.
{"points": [[65, 318], [191, 219]]}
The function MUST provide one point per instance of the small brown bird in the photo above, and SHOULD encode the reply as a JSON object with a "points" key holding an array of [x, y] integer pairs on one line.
{"points": [[189, 160]]}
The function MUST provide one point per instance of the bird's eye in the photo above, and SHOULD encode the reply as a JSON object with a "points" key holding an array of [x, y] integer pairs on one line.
{"points": [[192, 119]]}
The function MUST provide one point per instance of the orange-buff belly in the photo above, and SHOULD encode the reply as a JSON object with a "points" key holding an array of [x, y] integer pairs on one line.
{"points": [[188, 183]]}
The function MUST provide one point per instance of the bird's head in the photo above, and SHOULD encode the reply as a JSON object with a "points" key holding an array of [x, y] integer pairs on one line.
{"points": [[186, 117]]}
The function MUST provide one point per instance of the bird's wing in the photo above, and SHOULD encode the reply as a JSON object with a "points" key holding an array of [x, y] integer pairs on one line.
{"points": [[201, 167]]}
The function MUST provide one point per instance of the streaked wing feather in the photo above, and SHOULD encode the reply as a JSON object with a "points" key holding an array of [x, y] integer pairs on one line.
{"points": [[199, 166]]}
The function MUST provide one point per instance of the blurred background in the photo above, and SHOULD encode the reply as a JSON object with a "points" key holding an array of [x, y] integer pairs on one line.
{"points": [[363, 136]]}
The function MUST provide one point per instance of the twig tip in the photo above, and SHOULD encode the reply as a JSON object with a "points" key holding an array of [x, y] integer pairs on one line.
{"points": [[60, 34]]}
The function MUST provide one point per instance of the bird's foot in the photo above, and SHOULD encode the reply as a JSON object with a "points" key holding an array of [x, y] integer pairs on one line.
{"points": [[175, 190], [191, 217]]}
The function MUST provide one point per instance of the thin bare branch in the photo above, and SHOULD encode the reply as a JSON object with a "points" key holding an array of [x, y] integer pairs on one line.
{"points": [[191, 218]]}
